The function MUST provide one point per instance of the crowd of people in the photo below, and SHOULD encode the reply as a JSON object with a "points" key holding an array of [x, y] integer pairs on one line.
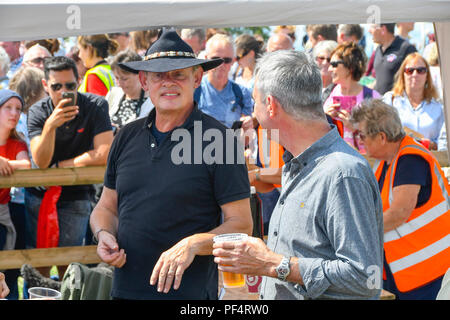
{"points": [[89, 106]]}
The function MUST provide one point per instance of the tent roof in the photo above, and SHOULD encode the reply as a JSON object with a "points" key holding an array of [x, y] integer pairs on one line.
{"points": [[28, 19]]}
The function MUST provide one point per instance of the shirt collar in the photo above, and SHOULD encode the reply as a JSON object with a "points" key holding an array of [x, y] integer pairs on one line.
{"points": [[316, 150], [195, 115]]}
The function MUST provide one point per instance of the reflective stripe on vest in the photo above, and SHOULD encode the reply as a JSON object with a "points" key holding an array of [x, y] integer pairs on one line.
{"points": [[103, 72], [418, 251]]}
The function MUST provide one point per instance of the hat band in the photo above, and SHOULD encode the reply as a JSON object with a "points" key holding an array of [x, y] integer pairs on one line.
{"points": [[169, 54]]}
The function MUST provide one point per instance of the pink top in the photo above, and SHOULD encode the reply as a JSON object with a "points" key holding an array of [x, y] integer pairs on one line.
{"points": [[348, 134]]}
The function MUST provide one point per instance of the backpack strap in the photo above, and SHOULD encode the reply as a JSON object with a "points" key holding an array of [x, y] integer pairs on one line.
{"points": [[326, 93], [239, 96], [367, 93]]}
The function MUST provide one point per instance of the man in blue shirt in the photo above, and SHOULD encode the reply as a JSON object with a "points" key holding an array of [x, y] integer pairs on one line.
{"points": [[325, 237], [218, 96]]}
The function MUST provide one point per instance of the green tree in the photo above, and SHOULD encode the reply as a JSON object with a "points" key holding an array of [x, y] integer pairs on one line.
{"points": [[264, 32]]}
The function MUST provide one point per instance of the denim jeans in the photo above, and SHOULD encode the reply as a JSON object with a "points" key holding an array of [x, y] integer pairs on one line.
{"points": [[73, 219]]}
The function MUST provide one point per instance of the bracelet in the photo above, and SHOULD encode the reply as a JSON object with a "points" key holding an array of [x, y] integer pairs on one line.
{"points": [[95, 236]]}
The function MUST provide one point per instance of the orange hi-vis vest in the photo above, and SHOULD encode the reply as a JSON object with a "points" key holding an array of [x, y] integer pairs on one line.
{"points": [[418, 251], [270, 152]]}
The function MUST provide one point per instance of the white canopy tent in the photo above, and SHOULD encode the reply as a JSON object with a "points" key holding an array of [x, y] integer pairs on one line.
{"points": [[32, 19]]}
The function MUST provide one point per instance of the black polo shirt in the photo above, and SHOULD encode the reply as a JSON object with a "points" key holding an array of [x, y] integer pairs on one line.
{"points": [[72, 138], [387, 63], [161, 202]]}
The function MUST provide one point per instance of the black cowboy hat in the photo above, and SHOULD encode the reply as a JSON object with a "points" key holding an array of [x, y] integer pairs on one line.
{"points": [[169, 53]]}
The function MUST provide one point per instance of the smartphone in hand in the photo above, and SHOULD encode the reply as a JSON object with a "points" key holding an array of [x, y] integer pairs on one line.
{"points": [[346, 102], [69, 95]]}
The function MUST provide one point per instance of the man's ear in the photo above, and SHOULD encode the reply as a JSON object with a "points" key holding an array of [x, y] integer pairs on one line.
{"points": [[143, 80], [273, 106], [45, 85], [198, 75]]}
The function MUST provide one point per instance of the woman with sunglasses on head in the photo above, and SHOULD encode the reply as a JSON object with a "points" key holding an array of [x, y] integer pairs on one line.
{"points": [[416, 100], [248, 49], [93, 50], [347, 66]]}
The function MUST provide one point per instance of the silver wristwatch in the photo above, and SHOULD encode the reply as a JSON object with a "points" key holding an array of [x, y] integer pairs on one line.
{"points": [[283, 268]]}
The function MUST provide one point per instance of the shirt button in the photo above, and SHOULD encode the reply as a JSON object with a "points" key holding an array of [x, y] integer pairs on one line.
{"points": [[261, 296], [275, 233], [152, 145], [282, 202]]}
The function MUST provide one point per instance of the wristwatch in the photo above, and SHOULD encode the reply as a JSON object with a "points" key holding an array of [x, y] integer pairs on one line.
{"points": [[284, 269]]}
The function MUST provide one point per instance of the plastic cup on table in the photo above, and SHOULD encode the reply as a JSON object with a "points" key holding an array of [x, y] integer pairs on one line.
{"points": [[39, 293]]}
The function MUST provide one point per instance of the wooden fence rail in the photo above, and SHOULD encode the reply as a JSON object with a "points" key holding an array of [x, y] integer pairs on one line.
{"points": [[14, 259]]}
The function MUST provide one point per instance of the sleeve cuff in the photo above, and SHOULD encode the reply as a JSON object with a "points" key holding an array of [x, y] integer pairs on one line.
{"points": [[314, 280]]}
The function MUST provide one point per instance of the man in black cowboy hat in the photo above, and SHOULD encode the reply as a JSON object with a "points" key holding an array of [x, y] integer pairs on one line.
{"points": [[157, 216]]}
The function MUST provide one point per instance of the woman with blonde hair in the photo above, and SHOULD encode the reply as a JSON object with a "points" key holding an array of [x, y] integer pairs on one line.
{"points": [[93, 50], [415, 98]]}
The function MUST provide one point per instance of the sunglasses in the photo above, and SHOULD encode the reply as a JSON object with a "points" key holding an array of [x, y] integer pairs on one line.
{"points": [[239, 57], [334, 64], [225, 60], [420, 70], [323, 58], [38, 60], [69, 86]]}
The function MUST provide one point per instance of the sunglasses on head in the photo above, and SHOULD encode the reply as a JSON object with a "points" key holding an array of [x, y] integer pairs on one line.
{"points": [[225, 60], [69, 86], [243, 54], [420, 70], [334, 64], [323, 58]]}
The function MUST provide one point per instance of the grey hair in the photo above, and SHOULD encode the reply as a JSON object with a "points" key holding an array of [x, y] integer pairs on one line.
{"points": [[190, 33], [293, 78], [325, 45], [379, 117], [4, 61], [219, 37]]}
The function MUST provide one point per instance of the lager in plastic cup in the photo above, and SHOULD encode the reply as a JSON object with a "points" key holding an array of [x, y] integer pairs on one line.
{"points": [[231, 280]]}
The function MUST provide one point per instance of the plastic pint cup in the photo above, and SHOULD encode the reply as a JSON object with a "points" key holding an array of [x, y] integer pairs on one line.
{"points": [[38, 293], [231, 280]]}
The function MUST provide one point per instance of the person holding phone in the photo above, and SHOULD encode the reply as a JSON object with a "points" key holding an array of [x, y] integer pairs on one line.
{"points": [[67, 129], [347, 66]]}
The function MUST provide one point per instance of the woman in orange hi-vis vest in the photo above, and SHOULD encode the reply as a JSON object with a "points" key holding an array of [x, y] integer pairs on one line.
{"points": [[416, 204]]}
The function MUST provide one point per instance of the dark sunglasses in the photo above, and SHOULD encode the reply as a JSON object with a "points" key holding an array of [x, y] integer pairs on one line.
{"points": [[243, 54], [69, 86], [225, 60], [420, 70], [334, 64], [323, 58], [38, 60]]}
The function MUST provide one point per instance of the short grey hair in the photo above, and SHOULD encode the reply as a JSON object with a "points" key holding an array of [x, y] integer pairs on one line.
{"points": [[325, 45], [4, 61], [379, 117], [294, 79], [219, 37], [191, 33]]}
